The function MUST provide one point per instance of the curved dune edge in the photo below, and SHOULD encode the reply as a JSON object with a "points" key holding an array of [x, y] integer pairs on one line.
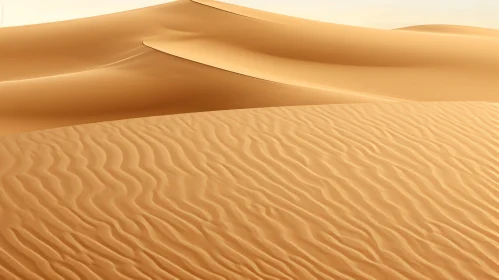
{"points": [[246, 68], [285, 19], [254, 13], [371, 62], [362, 191], [98, 69]]}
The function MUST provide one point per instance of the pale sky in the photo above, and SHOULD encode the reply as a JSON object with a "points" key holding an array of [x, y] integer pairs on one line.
{"points": [[368, 13]]}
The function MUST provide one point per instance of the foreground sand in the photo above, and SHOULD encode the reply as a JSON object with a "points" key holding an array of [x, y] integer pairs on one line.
{"points": [[191, 56], [361, 191]]}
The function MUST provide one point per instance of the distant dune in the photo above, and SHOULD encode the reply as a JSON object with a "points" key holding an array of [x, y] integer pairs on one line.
{"points": [[365, 191], [191, 56], [202, 140], [454, 29]]}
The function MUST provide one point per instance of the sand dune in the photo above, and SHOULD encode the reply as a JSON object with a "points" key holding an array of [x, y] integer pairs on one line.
{"points": [[320, 158], [368, 191], [191, 56]]}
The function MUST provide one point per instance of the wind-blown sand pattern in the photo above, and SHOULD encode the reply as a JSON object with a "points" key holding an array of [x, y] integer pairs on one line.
{"points": [[368, 191], [202, 140]]}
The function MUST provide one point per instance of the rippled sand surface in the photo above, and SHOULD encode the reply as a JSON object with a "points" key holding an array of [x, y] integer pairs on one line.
{"points": [[365, 191], [201, 140]]}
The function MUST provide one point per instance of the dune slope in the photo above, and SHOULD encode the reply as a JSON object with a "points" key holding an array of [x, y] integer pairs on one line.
{"points": [[191, 56], [362, 191]]}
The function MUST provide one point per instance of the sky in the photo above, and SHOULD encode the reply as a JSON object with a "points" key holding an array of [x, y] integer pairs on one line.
{"points": [[384, 14]]}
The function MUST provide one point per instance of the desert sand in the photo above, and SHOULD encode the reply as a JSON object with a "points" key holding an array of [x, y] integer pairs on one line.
{"points": [[192, 56], [202, 140]]}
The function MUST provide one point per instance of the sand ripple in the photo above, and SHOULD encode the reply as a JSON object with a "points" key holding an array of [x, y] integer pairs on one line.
{"points": [[365, 191]]}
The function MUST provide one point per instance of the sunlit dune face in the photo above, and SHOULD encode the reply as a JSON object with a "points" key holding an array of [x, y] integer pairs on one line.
{"points": [[191, 56]]}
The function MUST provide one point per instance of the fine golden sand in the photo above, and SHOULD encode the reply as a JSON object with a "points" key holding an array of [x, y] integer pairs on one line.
{"points": [[202, 140]]}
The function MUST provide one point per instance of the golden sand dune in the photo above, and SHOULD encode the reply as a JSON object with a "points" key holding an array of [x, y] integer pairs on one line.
{"points": [[191, 56], [362, 191], [307, 188]]}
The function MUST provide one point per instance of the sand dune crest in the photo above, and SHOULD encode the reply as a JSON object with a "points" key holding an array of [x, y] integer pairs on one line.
{"points": [[191, 56]]}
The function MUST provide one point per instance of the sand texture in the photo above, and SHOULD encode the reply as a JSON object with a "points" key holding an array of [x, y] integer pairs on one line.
{"points": [[202, 140], [366, 191]]}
